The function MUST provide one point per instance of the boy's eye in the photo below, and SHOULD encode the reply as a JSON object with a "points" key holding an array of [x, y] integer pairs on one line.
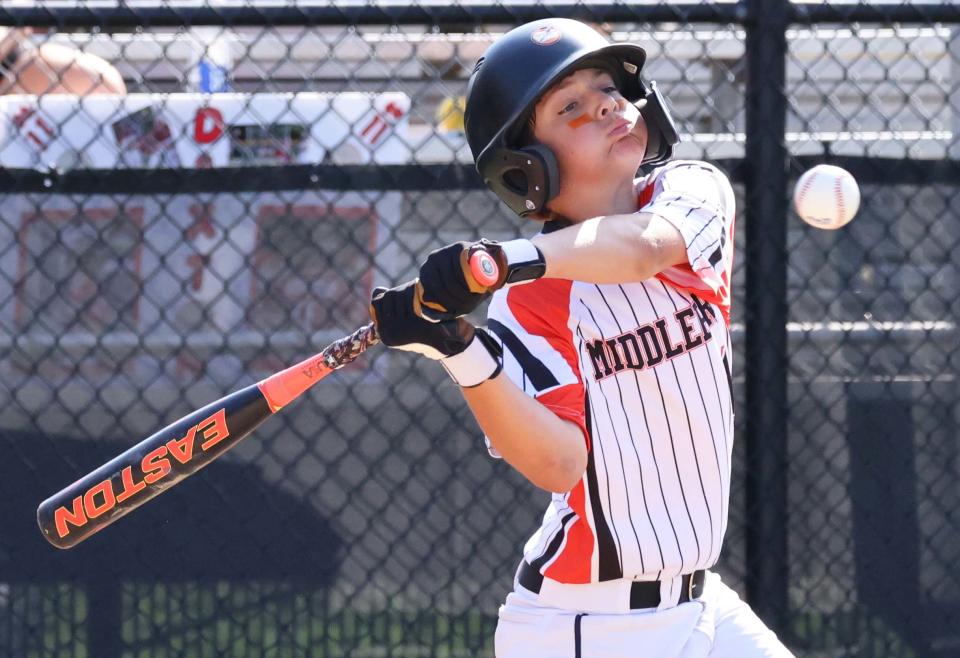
{"points": [[569, 107]]}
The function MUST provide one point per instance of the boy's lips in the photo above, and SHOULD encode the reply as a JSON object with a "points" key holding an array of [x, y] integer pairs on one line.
{"points": [[621, 127]]}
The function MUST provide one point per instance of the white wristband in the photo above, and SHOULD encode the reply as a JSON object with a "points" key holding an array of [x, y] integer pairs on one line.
{"points": [[524, 261], [472, 366], [519, 251]]}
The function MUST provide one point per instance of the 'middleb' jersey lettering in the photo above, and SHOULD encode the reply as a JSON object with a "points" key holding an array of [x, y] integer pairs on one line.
{"points": [[644, 370], [647, 346]]}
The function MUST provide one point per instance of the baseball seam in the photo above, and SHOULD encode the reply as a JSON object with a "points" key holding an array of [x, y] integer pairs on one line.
{"points": [[838, 193], [803, 192]]}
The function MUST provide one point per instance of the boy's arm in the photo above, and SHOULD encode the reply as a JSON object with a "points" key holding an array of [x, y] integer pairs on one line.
{"points": [[612, 249], [549, 451]]}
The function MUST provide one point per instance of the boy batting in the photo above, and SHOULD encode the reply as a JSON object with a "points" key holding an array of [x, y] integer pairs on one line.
{"points": [[603, 375]]}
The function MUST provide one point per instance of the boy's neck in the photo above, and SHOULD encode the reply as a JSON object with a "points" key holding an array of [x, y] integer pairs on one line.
{"points": [[621, 200]]}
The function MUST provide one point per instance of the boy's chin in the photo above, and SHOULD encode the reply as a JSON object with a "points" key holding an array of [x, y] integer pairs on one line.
{"points": [[624, 163], [615, 165]]}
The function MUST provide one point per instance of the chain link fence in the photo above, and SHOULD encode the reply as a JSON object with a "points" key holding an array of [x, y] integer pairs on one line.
{"points": [[196, 195]]}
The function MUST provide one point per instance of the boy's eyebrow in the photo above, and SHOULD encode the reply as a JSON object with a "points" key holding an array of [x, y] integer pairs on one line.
{"points": [[566, 82]]}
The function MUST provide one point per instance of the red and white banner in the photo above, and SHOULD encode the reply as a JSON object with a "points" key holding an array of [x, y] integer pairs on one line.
{"points": [[203, 130]]}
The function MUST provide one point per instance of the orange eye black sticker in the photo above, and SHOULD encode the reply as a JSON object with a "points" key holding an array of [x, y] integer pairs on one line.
{"points": [[580, 121]]}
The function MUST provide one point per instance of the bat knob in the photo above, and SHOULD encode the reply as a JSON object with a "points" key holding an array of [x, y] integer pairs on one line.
{"points": [[484, 268]]}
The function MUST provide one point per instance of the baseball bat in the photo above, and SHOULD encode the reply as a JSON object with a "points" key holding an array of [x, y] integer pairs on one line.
{"points": [[185, 446]]}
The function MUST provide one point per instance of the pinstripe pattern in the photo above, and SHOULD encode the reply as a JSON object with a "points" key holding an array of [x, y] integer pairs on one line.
{"points": [[625, 415], [644, 368], [608, 554]]}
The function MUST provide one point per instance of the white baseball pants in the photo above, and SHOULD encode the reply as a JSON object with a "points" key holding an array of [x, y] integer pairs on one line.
{"points": [[717, 625]]}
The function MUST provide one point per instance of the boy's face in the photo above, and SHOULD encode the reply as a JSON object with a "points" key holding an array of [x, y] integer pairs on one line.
{"points": [[591, 128]]}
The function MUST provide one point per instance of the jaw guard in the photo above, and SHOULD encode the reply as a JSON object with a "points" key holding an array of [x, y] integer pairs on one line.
{"points": [[662, 133]]}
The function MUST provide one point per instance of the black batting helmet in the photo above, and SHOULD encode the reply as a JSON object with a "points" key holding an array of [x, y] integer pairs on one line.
{"points": [[515, 72]]}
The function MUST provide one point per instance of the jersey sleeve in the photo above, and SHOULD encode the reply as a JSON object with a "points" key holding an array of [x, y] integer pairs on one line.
{"points": [[531, 323], [697, 199]]}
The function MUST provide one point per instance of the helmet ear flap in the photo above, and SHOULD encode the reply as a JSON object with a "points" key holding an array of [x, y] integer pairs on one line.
{"points": [[662, 133], [525, 179]]}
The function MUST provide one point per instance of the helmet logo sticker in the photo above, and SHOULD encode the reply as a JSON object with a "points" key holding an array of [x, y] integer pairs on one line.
{"points": [[545, 36]]}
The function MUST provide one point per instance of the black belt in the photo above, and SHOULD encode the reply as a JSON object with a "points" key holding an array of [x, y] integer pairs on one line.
{"points": [[643, 594]]}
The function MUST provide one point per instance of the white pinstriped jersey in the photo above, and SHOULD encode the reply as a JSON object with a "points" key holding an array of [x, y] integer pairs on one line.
{"points": [[644, 369]]}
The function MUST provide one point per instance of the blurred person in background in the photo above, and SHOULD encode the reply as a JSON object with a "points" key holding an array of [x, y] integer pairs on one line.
{"points": [[52, 68]]}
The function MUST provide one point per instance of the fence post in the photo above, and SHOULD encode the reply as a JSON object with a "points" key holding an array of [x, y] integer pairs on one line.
{"points": [[953, 100], [766, 309]]}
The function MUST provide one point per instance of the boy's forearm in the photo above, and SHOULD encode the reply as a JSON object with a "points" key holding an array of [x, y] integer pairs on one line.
{"points": [[612, 249], [547, 450]]}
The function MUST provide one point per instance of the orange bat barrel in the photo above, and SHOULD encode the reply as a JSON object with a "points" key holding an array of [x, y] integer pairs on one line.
{"points": [[151, 467], [181, 449]]}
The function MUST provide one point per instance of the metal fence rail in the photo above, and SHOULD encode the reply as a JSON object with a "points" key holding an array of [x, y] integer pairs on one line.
{"points": [[268, 164]]}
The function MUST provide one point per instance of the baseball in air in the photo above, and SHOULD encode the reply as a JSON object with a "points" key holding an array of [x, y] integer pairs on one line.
{"points": [[826, 197]]}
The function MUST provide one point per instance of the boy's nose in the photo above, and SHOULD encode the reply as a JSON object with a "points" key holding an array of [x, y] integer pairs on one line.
{"points": [[608, 103]]}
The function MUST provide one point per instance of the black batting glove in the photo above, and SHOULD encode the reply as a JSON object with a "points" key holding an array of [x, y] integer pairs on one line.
{"points": [[468, 354], [400, 327], [447, 287]]}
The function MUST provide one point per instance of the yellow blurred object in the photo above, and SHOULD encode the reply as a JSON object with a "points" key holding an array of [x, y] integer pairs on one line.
{"points": [[449, 114]]}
